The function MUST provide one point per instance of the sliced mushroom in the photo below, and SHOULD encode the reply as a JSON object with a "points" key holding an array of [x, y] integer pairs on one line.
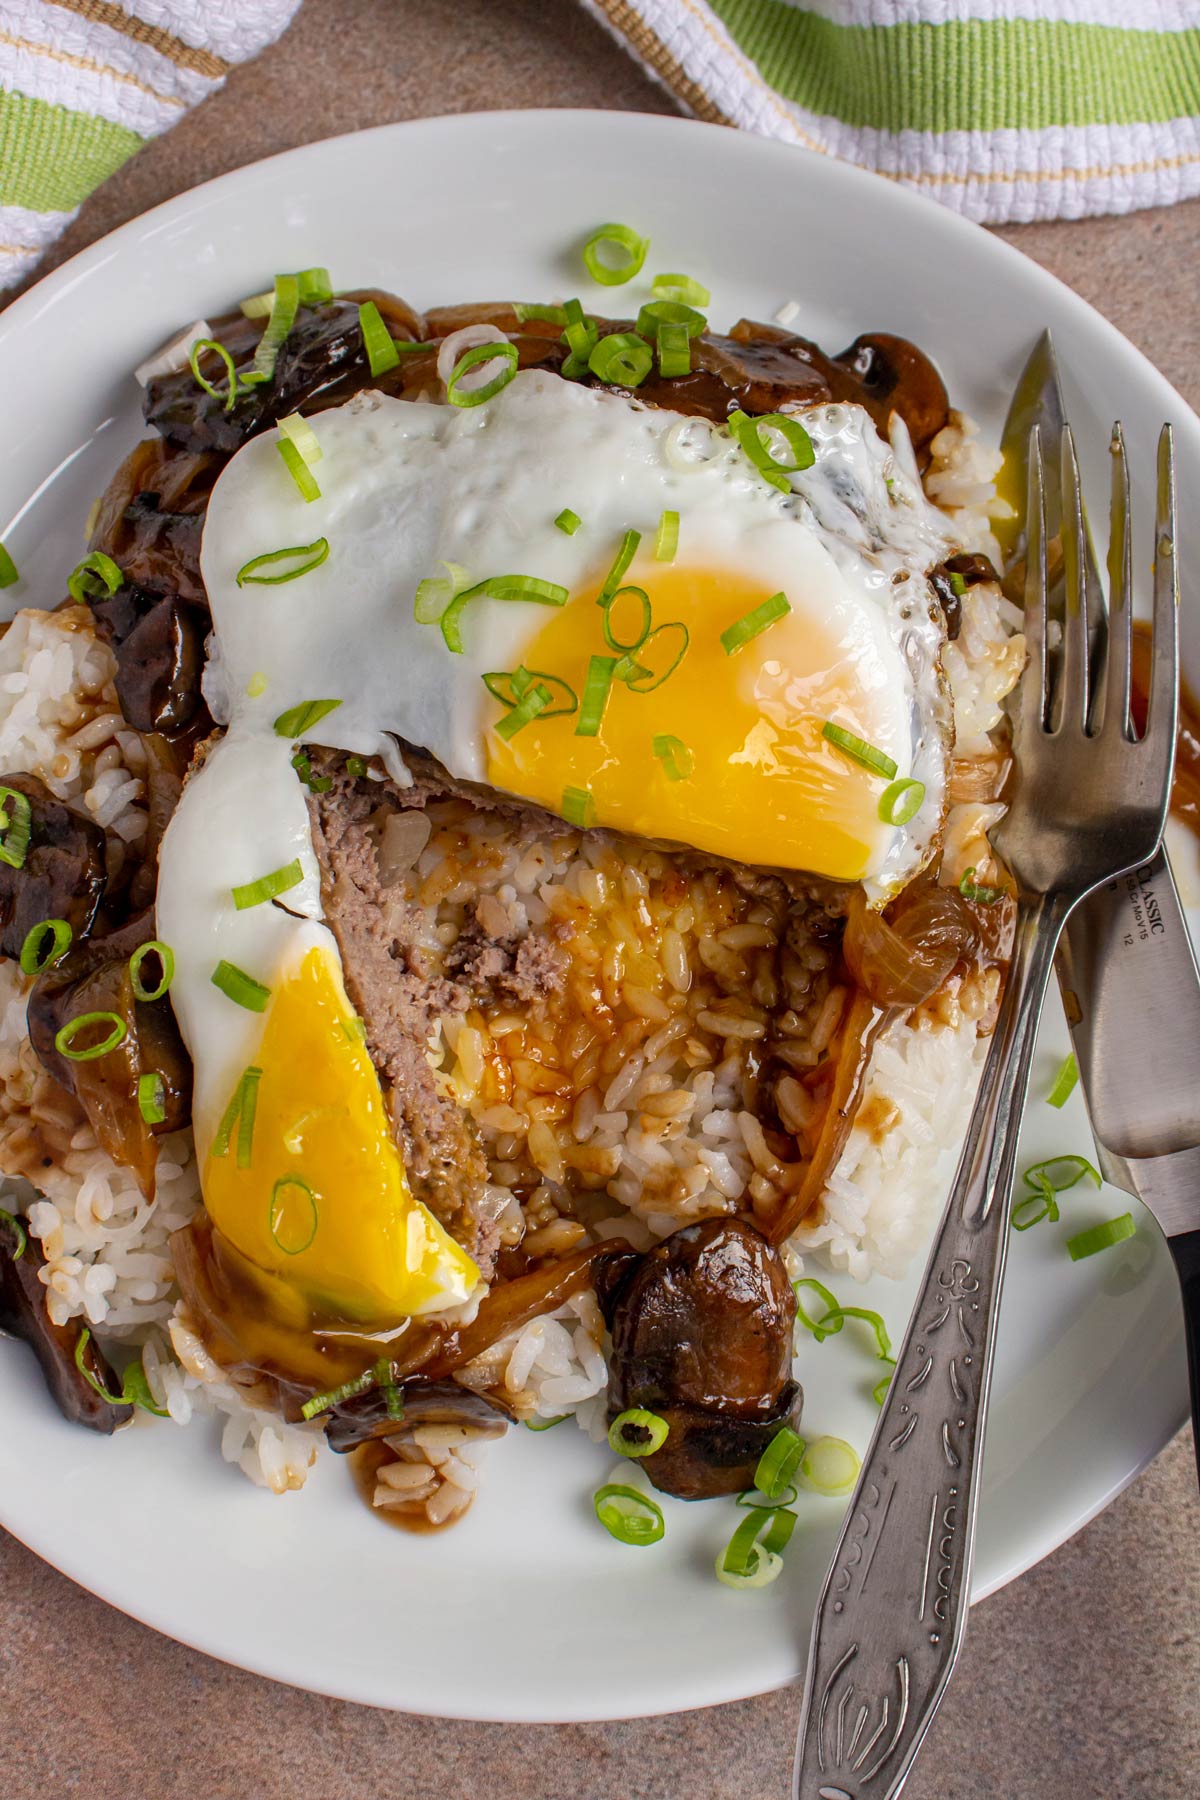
{"points": [[23, 1313], [159, 645], [366, 1416], [63, 874]]}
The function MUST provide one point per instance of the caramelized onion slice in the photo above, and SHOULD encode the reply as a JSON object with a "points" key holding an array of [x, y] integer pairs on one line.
{"points": [[902, 956]]}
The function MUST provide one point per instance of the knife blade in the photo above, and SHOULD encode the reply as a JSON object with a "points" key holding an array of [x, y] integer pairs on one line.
{"points": [[1127, 968]]}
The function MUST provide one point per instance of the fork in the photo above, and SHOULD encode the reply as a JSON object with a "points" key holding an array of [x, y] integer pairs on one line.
{"points": [[1089, 803]]}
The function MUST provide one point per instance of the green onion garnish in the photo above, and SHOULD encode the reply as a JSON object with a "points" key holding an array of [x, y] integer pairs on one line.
{"points": [[135, 1389], [958, 585], [735, 636], [628, 1514], [641, 598], [622, 359], [534, 701], [1062, 1172], [297, 465], [505, 353], [279, 881], [829, 1466], [497, 587], [152, 1097], [595, 694], [16, 823], [637, 1432], [568, 521], [239, 987], [666, 543], [315, 287], [1064, 1082], [779, 1462], [166, 958], [835, 1316], [383, 1375], [674, 351], [901, 801], [8, 569], [17, 1227], [751, 1497], [1031, 1209], [757, 446], [580, 334], [1100, 1237], [355, 1029], [610, 270], [640, 678], [64, 1038], [879, 1391], [680, 287], [323, 1402], [550, 315], [509, 686], [382, 353], [356, 766], [311, 557], [257, 306], [752, 1557], [625, 556], [256, 686], [435, 593], [299, 720], [657, 314], [37, 953], [244, 1095], [858, 750], [579, 808], [284, 303], [677, 760], [293, 1216], [545, 1424], [316, 784], [96, 575], [198, 348], [970, 889]]}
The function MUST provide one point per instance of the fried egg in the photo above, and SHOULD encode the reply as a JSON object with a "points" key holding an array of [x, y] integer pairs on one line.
{"points": [[721, 740]]}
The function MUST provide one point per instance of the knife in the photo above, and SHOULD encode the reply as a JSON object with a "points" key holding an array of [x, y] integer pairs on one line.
{"points": [[1127, 969]]}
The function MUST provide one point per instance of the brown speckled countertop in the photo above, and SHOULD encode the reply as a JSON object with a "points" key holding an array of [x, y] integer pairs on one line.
{"points": [[1081, 1681]]}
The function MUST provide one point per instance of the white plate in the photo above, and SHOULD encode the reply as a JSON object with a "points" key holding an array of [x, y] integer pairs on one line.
{"points": [[527, 1611]]}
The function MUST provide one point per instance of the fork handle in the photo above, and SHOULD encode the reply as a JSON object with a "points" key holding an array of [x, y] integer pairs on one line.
{"points": [[892, 1613]]}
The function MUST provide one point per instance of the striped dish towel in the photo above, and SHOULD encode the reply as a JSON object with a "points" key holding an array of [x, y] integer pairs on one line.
{"points": [[84, 83], [1004, 109]]}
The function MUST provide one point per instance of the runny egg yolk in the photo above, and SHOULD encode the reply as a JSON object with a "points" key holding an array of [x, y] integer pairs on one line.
{"points": [[322, 1201], [765, 786]]}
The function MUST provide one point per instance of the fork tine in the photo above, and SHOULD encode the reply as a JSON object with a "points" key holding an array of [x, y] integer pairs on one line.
{"points": [[1120, 589], [1163, 706], [1069, 703], [1033, 688]]}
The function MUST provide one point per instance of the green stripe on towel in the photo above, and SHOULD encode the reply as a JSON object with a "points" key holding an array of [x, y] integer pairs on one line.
{"points": [[52, 158]]}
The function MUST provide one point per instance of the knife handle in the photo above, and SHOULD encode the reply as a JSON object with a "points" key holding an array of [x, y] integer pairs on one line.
{"points": [[1186, 1250]]}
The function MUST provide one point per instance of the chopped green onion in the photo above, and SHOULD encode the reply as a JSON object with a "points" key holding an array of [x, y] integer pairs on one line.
{"points": [[435, 593], [298, 469], [579, 808], [610, 271], [198, 348], [505, 353], [1064, 1082], [257, 306], [293, 1215], [829, 1466], [970, 889], [316, 784], [17, 1227], [666, 543], [879, 1391], [677, 760], [1031, 1209], [642, 679], [535, 700], [356, 766], [355, 1029], [656, 315], [256, 686], [65, 1037], [96, 575], [779, 1462], [511, 686], [313, 556], [624, 557], [239, 987], [135, 1389], [497, 587], [279, 881], [568, 521], [347, 1391], [1100, 1237], [314, 286], [382, 353], [166, 957], [545, 1424], [674, 351], [595, 694], [284, 303], [751, 1558], [642, 599], [957, 584], [751, 624], [549, 315], [637, 1432], [152, 1097], [299, 720], [757, 446], [15, 826], [1062, 1172], [384, 1375], [622, 359], [8, 569], [628, 1514], [244, 1096], [682, 288], [299, 432], [901, 801], [858, 750], [36, 953], [751, 1497], [580, 335], [835, 1316]]}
